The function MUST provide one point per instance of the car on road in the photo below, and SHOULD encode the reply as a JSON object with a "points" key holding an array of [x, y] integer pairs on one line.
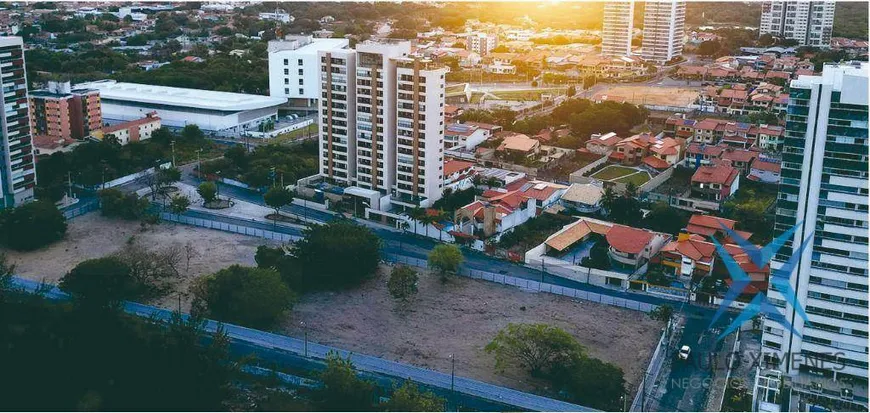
{"points": [[684, 352]]}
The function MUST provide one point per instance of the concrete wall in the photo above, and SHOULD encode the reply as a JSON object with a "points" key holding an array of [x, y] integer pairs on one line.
{"points": [[657, 180], [575, 176]]}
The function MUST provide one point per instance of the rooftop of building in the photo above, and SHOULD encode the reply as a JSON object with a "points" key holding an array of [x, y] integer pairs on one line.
{"points": [[182, 97]]}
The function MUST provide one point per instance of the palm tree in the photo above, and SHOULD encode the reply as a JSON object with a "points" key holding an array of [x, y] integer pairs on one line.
{"points": [[442, 216]]}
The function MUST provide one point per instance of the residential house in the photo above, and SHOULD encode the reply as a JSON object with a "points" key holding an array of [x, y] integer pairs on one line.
{"points": [[709, 131], [770, 137], [711, 226], [584, 198], [131, 131], [741, 159], [698, 154], [602, 144], [464, 136], [451, 112], [631, 248], [544, 193], [663, 153], [689, 256], [458, 175], [490, 217], [712, 185], [518, 144], [732, 101], [765, 170]]}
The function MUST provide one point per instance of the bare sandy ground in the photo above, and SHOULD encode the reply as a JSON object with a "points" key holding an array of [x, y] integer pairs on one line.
{"points": [[93, 236], [654, 95], [460, 318]]}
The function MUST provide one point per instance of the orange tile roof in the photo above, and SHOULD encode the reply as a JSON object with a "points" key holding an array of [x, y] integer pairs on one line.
{"points": [[627, 239], [452, 166], [656, 163], [715, 174]]}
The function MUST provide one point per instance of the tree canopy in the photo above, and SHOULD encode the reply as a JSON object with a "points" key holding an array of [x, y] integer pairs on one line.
{"points": [[31, 226], [253, 297]]}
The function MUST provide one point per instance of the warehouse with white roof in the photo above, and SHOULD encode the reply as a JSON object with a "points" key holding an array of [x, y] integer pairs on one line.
{"points": [[221, 113]]}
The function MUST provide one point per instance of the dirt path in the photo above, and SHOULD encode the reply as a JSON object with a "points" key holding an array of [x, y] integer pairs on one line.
{"points": [[460, 318]]}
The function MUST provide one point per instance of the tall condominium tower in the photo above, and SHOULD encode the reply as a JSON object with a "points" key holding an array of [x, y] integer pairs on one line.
{"points": [[294, 67], [663, 30], [382, 123], [822, 362], [617, 29], [376, 113], [808, 22], [17, 166], [337, 105], [420, 142]]}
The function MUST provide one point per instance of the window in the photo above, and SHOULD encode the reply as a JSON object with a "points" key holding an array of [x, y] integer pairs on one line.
{"points": [[286, 62], [301, 91], [286, 72], [286, 80], [298, 62], [300, 72], [301, 82], [286, 90]]}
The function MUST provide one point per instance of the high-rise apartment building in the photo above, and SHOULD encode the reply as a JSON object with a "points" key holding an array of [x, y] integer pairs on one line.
{"points": [[664, 25], [17, 166], [294, 67], [824, 189], [420, 142], [64, 113], [382, 125], [810, 23], [617, 28], [337, 113], [481, 43]]}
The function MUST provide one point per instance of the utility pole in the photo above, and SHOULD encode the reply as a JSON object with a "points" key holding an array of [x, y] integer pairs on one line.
{"points": [[453, 380], [69, 182], [172, 144], [199, 162]]}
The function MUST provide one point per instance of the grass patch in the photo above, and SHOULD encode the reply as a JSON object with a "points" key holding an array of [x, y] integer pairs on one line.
{"points": [[455, 89], [637, 179], [613, 172], [288, 137]]}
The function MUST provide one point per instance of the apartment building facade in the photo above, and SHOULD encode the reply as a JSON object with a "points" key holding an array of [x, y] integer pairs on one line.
{"points": [[382, 123], [810, 23], [294, 67], [617, 28], [824, 187], [420, 129], [64, 113], [481, 43], [664, 26], [337, 113], [17, 164]]}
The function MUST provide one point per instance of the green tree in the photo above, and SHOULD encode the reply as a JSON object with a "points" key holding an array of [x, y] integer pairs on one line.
{"points": [[116, 204], [339, 254], [166, 177], [446, 259], [663, 312], [31, 226], [208, 191], [276, 198], [179, 204], [409, 398], [7, 270], [709, 48], [538, 348], [590, 382], [403, 282], [253, 297], [664, 218], [572, 90], [342, 390], [192, 132], [100, 282]]}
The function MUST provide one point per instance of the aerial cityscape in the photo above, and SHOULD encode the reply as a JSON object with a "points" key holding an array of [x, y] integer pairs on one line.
{"points": [[646, 206]]}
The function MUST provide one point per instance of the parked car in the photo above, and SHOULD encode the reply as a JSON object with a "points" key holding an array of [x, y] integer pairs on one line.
{"points": [[684, 352]]}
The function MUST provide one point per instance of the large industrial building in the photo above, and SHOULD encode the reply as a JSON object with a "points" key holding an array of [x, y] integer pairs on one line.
{"points": [[294, 69], [664, 27], [617, 28], [220, 113], [820, 365], [810, 23], [17, 166], [381, 124]]}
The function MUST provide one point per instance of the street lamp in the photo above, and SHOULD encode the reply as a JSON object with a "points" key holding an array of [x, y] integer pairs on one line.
{"points": [[453, 379]]}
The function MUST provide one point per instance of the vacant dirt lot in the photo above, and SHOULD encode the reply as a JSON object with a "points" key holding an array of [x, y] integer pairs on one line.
{"points": [[653, 95], [93, 236], [460, 318]]}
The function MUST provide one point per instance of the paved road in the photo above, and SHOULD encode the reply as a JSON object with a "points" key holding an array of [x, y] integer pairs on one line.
{"points": [[286, 351]]}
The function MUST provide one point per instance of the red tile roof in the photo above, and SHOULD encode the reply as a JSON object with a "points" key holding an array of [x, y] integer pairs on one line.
{"points": [[627, 239], [763, 165], [715, 174], [739, 155], [452, 166], [656, 163], [694, 247]]}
